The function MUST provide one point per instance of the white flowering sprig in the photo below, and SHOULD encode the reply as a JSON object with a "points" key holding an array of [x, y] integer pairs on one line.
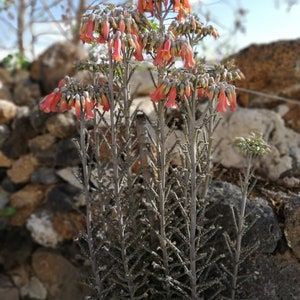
{"points": [[254, 144]]}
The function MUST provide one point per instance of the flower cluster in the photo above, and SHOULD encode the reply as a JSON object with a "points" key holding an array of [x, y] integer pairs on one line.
{"points": [[253, 144], [70, 95], [119, 28], [170, 91], [201, 83], [168, 49], [127, 32], [155, 6], [192, 25]]}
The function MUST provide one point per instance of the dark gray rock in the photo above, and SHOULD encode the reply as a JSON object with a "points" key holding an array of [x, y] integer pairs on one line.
{"points": [[17, 143], [15, 247], [265, 230], [67, 153], [276, 278], [61, 198], [4, 133], [44, 176]]}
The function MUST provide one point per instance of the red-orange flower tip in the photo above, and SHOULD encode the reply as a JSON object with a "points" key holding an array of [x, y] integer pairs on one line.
{"points": [[117, 53], [49, 103]]}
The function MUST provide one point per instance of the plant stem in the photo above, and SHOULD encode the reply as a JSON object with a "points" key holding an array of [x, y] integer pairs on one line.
{"points": [[240, 226], [193, 205], [162, 189], [116, 177], [84, 161]]}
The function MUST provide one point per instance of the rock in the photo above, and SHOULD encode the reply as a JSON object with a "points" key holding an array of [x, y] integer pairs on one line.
{"points": [[16, 247], [284, 158], [10, 186], [5, 161], [34, 289], [265, 230], [20, 275], [54, 64], [68, 225], [26, 92], [292, 117], [26, 201], [141, 83], [44, 176], [6, 83], [68, 175], [275, 277], [272, 68], [41, 142], [8, 111], [17, 143], [38, 119], [3, 198], [292, 224], [4, 133], [57, 274], [290, 182], [62, 125], [40, 226], [60, 198], [7, 290], [67, 154], [22, 169]]}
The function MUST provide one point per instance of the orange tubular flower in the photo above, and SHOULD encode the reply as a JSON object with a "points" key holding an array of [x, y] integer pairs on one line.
{"points": [[104, 102], [171, 98], [89, 106], [105, 29], [223, 102], [158, 94], [188, 90], [140, 6], [49, 103], [232, 100], [122, 25], [176, 5], [189, 57], [149, 7], [138, 53], [117, 54], [63, 105], [86, 32], [165, 52], [77, 106], [158, 60], [187, 6]]}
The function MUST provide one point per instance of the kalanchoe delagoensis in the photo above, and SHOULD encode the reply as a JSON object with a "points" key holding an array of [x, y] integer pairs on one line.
{"points": [[71, 94]]}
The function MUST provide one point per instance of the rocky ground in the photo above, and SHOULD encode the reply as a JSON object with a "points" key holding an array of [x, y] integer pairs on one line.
{"points": [[38, 159]]}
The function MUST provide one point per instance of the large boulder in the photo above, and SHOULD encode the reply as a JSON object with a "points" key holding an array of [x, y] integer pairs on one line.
{"points": [[54, 64], [284, 158], [271, 68]]}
